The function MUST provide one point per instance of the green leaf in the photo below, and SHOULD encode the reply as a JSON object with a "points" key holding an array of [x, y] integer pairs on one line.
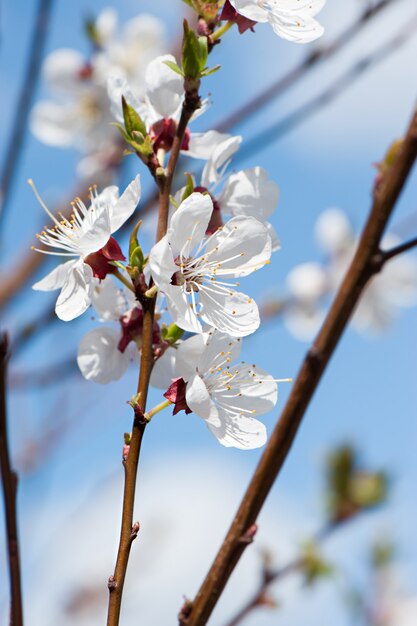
{"points": [[122, 130], [133, 239], [191, 54], [174, 67], [213, 70], [132, 119], [189, 187], [313, 566], [368, 489], [173, 333]]}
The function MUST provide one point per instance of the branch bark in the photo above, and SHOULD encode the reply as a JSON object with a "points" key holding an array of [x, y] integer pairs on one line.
{"points": [[309, 376], [9, 485], [129, 529]]}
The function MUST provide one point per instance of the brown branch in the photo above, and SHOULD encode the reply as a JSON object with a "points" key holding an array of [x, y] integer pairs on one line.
{"points": [[400, 249], [309, 376], [19, 127], [9, 485], [270, 576], [129, 530], [312, 60]]}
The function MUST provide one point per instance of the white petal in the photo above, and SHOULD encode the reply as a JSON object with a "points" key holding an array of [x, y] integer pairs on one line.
{"points": [[234, 314], [126, 205], [96, 233], [144, 31], [220, 155], [180, 310], [275, 242], [239, 431], [250, 9], [189, 354], [109, 301], [199, 401], [296, 27], [259, 392], [116, 87], [57, 278], [240, 247], [98, 357], [54, 124], [76, 293], [308, 281], [189, 223], [219, 346], [61, 69], [164, 87], [105, 25], [333, 232], [202, 145], [250, 192], [303, 319], [165, 370], [161, 262]]}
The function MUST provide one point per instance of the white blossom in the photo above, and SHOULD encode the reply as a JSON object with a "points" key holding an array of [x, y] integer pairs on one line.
{"points": [[160, 108], [99, 356], [88, 231], [247, 192], [225, 394], [79, 114], [190, 268], [309, 284], [290, 19]]}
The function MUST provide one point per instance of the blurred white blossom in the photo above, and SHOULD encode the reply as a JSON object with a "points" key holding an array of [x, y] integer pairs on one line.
{"points": [[310, 284]]}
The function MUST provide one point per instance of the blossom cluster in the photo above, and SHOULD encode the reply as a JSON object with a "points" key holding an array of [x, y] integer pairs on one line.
{"points": [[218, 230], [310, 284]]}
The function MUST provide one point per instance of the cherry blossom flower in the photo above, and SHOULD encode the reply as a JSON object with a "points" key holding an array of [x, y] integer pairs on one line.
{"points": [[79, 116], [309, 284], [225, 394], [190, 268], [290, 19], [87, 237], [160, 109], [247, 192], [104, 353]]}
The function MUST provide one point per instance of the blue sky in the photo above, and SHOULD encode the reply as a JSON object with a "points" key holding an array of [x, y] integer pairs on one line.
{"points": [[368, 394]]}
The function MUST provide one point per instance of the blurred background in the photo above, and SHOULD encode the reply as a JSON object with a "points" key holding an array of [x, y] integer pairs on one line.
{"points": [[320, 141]]}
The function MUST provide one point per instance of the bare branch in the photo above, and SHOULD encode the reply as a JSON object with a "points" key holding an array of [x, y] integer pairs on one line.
{"points": [[9, 485], [309, 376]]}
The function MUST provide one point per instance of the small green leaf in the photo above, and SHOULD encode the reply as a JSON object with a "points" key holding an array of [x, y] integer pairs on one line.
{"points": [[121, 129], [133, 239], [132, 119], [174, 67], [189, 187], [117, 264], [191, 53], [213, 70], [173, 333]]}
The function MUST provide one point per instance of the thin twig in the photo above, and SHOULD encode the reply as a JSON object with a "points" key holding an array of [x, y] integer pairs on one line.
{"points": [[19, 126], [309, 376], [270, 576], [129, 530], [9, 485], [318, 55], [400, 249]]}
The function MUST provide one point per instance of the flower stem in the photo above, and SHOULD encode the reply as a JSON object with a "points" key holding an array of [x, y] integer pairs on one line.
{"points": [[221, 31], [157, 409], [123, 279]]}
